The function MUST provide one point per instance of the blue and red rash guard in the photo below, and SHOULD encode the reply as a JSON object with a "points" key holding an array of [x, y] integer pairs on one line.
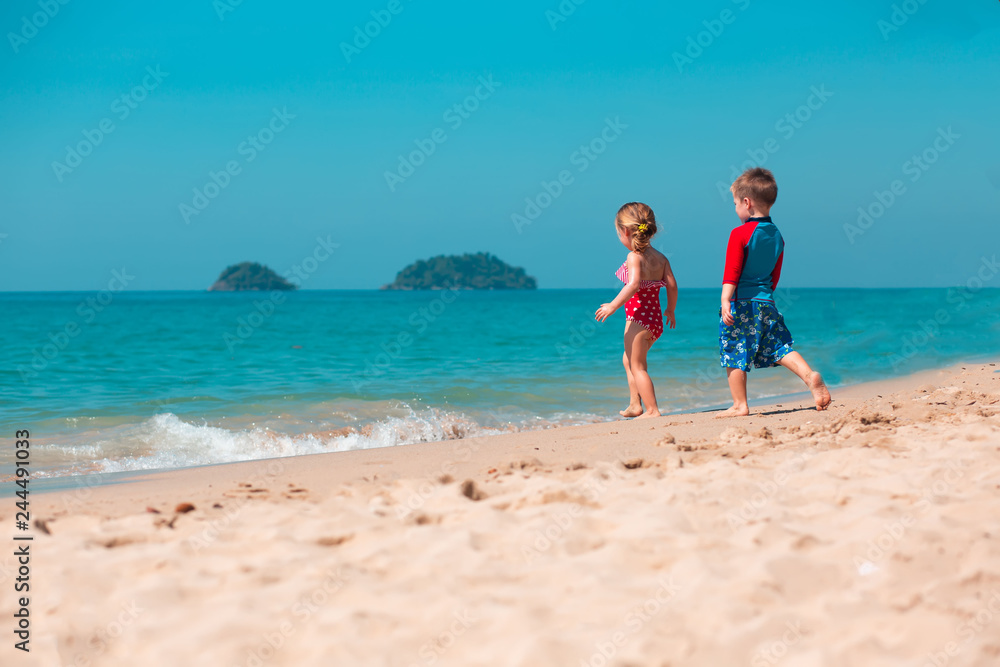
{"points": [[753, 260]]}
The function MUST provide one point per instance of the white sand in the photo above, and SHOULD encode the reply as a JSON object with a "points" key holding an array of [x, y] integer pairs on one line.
{"points": [[865, 535]]}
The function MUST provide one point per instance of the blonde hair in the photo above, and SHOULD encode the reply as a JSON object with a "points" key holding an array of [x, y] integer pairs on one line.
{"points": [[757, 185], [639, 221]]}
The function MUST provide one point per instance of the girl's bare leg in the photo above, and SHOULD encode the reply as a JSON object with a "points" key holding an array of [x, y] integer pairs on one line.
{"points": [[637, 343], [634, 408]]}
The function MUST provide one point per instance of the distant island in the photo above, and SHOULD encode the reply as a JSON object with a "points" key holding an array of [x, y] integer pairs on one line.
{"points": [[250, 277], [481, 271]]}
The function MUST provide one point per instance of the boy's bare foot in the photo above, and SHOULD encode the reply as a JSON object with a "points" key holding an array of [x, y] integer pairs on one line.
{"points": [[735, 411], [631, 411], [651, 413], [819, 391]]}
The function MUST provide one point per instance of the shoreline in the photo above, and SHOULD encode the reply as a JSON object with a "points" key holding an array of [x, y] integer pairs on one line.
{"points": [[69, 483], [864, 534], [363, 457]]}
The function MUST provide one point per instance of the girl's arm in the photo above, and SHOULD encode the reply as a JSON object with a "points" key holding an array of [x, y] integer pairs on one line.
{"points": [[634, 264], [668, 277]]}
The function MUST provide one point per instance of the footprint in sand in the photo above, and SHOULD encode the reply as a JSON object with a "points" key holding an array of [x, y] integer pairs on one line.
{"points": [[472, 492], [334, 541]]}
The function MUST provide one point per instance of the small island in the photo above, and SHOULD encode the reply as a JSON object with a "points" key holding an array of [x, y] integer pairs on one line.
{"points": [[481, 271], [250, 277]]}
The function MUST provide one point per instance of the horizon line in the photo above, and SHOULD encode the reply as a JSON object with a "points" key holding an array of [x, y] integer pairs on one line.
{"points": [[539, 289]]}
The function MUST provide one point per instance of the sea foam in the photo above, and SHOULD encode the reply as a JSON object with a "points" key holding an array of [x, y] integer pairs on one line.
{"points": [[165, 441]]}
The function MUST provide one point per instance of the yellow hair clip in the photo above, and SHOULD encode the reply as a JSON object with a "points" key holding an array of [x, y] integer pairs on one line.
{"points": [[643, 227]]}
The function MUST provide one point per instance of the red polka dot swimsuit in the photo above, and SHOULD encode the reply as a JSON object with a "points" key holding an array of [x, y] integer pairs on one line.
{"points": [[644, 306]]}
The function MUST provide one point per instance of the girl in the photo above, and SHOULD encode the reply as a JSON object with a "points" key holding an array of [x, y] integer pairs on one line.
{"points": [[645, 270]]}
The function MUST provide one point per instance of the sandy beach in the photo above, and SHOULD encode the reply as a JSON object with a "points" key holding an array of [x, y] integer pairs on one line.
{"points": [[868, 534], [319, 319]]}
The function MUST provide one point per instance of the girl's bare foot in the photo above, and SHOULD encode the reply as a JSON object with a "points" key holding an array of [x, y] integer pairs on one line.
{"points": [[735, 411], [631, 411], [819, 391], [651, 413]]}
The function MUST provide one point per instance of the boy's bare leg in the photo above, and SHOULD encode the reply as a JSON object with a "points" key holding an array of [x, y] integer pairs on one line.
{"points": [[634, 408], [638, 342], [738, 388], [794, 362]]}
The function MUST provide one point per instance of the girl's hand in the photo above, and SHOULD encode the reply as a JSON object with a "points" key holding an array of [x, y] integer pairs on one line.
{"points": [[604, 312], [668, 316]]}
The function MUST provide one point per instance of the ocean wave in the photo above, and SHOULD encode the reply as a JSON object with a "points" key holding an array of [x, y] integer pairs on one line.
{"points": [[165, 441]]}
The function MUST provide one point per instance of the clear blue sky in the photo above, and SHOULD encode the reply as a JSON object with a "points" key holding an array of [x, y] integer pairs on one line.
{"points": [[323, 174]]}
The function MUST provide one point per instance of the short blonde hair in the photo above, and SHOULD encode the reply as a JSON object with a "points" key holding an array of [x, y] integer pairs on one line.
{"points": [[757, 185], [639, 221]]}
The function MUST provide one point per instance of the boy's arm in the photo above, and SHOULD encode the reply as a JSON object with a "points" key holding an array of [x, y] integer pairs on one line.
{"points": [[728, 292], [668, 277], [735, 257], [633, 262], [777, 271]]}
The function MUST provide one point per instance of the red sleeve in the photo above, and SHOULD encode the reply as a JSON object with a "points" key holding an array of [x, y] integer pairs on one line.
{"points": [[736, 254], [777, 271]]}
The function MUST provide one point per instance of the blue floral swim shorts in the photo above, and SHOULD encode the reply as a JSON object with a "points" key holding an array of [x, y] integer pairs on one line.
{"points": [[758, 337]]}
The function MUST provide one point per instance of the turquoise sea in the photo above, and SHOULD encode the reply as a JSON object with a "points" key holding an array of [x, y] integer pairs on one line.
{"points": [[130, 381]]}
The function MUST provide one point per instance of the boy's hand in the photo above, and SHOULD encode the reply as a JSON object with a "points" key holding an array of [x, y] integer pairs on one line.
{"points": [[727, 314], [668, 317], [604, 312]]}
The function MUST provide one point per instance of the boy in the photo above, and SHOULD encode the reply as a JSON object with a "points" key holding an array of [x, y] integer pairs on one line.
{"points": [[752, 331]]}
